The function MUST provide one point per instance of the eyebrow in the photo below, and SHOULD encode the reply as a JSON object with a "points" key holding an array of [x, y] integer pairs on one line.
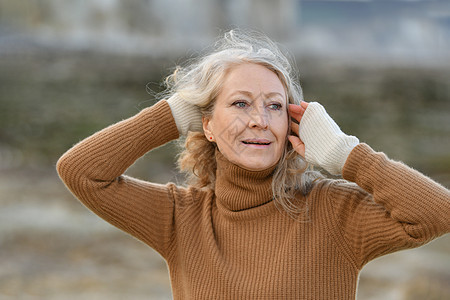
{"points": [[250, 94]]}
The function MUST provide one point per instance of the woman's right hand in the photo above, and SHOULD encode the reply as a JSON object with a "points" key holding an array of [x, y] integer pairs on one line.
{"points": [[187, 116]]}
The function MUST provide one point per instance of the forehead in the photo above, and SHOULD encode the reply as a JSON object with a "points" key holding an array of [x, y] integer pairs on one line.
{"points": [[254, 79]]}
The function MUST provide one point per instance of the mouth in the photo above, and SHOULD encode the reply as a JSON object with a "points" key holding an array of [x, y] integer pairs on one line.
{"points": [[257, 142]]}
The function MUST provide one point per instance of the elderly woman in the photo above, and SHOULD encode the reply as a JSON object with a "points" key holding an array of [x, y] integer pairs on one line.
{"points": [[254, 221]]}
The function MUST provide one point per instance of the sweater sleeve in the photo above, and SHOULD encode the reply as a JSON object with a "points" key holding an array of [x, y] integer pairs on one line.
{"points": [[392, 207], [93, 171]]}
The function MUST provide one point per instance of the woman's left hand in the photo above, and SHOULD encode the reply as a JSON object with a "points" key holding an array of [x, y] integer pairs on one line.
{"points": [[318, 138], [296, 112]]}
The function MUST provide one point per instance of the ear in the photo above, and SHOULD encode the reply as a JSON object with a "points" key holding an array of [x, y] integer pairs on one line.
{"points": [[206, 122]]}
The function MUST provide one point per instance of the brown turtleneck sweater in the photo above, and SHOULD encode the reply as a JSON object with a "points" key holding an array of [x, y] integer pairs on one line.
{"points": [[234, 243]]}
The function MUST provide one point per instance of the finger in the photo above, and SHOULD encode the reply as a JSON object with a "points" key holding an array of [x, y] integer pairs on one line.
{"points": [[304, 104], [297, 144], [295, 128], [297, 111], [299, 108]]}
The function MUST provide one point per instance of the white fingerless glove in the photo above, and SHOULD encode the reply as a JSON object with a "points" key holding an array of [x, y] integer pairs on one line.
{"points": [[325, 144], [187, 116]]}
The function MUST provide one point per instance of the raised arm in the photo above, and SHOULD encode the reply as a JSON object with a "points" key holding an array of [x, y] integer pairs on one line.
{"points": [[393, 207], [93, 171], [384, 206]]}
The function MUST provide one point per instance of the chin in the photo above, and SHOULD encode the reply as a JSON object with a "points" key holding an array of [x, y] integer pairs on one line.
{"points": [[255, 166]]}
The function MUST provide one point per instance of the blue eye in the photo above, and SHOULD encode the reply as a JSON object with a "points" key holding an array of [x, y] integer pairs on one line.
{"points": [[275, 106], [240, 104]]}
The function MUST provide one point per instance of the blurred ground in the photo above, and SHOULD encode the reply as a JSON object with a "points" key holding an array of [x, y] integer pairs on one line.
{"points": [[51, 247], [54, 248]]}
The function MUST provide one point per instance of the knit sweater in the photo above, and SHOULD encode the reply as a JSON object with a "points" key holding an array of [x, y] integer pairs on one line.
{"points": [[233, 242]]}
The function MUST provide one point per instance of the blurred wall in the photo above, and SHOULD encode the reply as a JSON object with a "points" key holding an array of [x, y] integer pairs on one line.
{"points": [[397, 29], [394, 53]]}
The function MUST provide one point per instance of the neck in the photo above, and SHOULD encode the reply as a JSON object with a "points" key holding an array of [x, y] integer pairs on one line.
{"points": [[239, 189]]}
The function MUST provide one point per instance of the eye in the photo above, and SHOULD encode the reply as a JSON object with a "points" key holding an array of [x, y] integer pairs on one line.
{"points": [[240, 104], [275, 106]]}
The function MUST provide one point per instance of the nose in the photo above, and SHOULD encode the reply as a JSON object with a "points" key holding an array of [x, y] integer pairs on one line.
{"points": [[259, 119]]}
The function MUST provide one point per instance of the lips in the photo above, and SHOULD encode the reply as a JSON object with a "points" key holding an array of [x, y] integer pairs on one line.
{"points": [[260, 142]]}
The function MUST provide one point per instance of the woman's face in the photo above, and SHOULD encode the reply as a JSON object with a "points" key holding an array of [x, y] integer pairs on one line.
{"points": [[250, 121]]}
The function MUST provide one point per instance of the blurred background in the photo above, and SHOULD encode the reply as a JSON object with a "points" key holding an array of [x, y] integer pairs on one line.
{"points": [[70, 68]]}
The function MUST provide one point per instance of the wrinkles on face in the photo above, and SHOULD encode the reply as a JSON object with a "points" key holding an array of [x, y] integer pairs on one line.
{"points": [[250, 121]]}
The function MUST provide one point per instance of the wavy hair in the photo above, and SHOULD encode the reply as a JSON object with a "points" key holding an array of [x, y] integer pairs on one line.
{"points": [[200, 81]]}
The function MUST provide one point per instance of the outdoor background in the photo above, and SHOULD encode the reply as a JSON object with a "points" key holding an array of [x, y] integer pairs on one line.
{"points": [[70, 68]]}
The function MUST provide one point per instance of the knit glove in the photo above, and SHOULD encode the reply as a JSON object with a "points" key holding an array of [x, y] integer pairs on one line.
{"points": [[325, 144], [187, 116]]}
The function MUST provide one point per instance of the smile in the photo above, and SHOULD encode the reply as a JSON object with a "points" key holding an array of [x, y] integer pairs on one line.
{"points": [[257, 142]]}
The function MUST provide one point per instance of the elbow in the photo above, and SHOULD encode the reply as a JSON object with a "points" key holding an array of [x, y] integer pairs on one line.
{"points": [[62, 167], [68, 169], [71, 174], [79, 176]]}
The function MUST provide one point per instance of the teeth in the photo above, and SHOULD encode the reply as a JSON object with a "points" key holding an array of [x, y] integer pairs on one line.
{"points": [[255, 143]]}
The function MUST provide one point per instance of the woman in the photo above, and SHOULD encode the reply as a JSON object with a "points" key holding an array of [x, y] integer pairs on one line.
{"points": [[254, 223]]}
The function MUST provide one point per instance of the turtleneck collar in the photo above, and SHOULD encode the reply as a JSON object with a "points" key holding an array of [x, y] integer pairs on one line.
{"points": [[238, 189]]}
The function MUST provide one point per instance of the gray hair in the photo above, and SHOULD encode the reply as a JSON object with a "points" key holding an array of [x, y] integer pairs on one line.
{"points": [[200, 82]]}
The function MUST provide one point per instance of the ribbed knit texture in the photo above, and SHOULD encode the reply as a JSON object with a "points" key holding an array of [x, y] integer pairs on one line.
{"points": [[187, 116], [233, 243], [326, 145]]}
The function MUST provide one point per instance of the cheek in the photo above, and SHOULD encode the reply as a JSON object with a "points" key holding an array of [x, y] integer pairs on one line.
{"points": [[281, 126], [227, 127], [282, 134]]}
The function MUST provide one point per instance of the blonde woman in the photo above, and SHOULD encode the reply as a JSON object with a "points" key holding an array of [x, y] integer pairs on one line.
{"points": [[254, 222]]}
